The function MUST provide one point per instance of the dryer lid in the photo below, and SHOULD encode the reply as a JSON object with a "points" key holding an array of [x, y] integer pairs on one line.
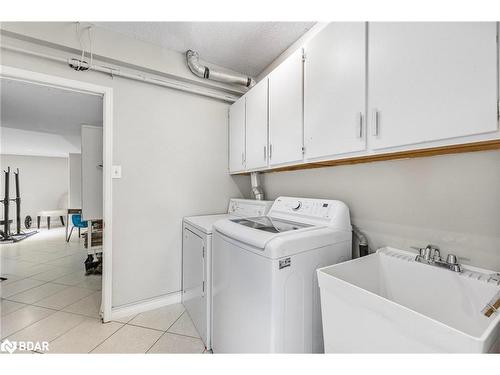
{"points": [[205, 223]]}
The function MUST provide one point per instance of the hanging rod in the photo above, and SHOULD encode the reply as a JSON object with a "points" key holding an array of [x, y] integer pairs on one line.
{"points": [[115, 72]]}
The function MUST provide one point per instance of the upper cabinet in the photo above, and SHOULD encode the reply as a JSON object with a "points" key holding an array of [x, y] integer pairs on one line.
{"points": [[431, 81], [334, 91], [285, 111], [373, 91], [256, 126], [237, 136]]}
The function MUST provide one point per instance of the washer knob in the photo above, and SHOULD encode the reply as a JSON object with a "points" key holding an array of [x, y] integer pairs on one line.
{"points": [[297, 206]]}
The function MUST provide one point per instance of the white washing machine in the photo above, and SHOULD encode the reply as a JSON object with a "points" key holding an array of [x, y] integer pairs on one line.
{"points": [[196, 260], [265, 294]]}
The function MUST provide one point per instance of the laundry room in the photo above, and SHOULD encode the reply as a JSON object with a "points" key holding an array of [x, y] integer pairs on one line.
{"points": [[310, 185]]}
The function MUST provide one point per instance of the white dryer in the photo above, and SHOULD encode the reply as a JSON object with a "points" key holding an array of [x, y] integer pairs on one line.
{"points": [[196, 260], [265, 294]]}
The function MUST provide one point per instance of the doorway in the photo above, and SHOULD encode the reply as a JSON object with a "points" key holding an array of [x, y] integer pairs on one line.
{"points": [[94, 149]]}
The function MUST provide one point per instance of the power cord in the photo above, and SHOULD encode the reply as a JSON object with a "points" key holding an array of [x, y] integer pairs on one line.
{"points": [[81, 64]]}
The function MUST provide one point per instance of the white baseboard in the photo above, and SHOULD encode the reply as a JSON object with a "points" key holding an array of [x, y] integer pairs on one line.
{"points": [[146, 305]]}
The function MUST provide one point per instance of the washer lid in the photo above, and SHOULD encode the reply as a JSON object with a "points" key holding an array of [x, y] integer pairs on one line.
{"points": [[248, 207], [269, 224], [256, 233]]}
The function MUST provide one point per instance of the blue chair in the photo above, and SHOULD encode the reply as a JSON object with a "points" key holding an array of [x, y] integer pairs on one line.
{"points": [[77, 223]]}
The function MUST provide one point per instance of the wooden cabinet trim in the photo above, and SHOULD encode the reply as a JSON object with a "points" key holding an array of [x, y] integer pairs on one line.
{"points": [[433, 151]]}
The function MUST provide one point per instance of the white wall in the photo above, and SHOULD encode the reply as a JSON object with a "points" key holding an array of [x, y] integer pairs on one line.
{"points": [[173, 148], [43, 184], [452, 201], [75, 180]]}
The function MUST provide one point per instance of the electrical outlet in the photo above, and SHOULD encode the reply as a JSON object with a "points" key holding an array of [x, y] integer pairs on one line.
{"points": [[117, 171]]}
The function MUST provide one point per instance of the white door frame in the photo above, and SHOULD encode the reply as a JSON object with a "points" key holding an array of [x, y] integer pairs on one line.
{"points": [[107, 123]]}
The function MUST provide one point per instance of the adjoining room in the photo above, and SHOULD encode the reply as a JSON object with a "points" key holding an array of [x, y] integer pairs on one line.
{"points": [[51, 192]]}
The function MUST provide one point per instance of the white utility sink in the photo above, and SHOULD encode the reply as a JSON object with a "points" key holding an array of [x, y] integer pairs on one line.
{"points": [[387, 302]]}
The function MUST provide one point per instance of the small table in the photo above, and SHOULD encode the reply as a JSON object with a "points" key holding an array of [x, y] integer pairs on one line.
{"points": [[71, 211], [48, 214]]}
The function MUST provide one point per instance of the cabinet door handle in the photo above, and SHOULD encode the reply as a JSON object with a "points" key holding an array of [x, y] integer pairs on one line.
{"points": [[360, 125], [270, 151], [376, 123], [264, 152]]}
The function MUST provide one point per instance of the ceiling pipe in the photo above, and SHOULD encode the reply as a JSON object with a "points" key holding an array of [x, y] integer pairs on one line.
{"points": [[202, 71], [82, 65]]}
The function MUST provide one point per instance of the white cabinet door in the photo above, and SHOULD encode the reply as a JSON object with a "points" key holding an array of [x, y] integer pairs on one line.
{"points": [[256, 126], [285, 111], [92, 171], [237, 136], [431, 81], [334, 91]]}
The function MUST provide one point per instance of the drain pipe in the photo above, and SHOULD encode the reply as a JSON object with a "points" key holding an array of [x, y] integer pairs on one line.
{"points": [[362, 241], [257, 191], [202, 71]]}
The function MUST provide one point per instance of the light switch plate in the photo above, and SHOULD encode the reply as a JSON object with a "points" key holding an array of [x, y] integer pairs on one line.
{"points": [[117, 171]]}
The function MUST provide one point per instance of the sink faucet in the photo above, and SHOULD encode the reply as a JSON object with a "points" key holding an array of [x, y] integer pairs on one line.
{"points": [[432, 256]]}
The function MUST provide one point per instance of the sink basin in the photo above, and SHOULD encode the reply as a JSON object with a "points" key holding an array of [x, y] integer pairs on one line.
{"points": [[388, 303]]}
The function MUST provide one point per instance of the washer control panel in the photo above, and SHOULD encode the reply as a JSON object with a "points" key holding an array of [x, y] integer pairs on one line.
{"points": [[315, 212], [315, 208]]}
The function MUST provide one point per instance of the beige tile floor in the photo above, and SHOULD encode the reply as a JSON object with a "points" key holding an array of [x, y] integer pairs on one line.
{"points": [[47, 297]]}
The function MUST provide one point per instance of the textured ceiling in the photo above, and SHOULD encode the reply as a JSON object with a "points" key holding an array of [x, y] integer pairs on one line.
{"points": [[246, 47], [44, 120]]}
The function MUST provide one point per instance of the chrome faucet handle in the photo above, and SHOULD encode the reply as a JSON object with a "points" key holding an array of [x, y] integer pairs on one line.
{"points": [[437, 255], [452, 262], [451, 259]]}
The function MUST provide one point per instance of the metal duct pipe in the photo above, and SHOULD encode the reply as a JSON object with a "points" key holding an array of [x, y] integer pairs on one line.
{"points": [[202, 71], [257, 191], [362, 241]]}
